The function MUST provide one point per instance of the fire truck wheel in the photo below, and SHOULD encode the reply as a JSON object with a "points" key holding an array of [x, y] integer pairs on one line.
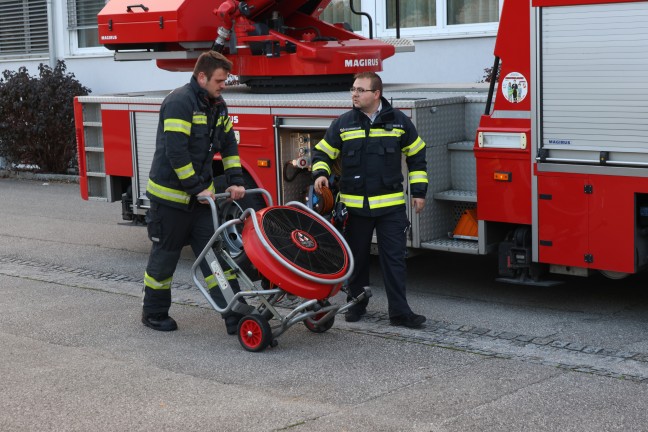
{"points": [[614, 275], [231, 210]]}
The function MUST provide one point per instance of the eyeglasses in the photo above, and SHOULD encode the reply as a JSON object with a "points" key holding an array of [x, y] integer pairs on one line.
{"points": [[360, 90]]}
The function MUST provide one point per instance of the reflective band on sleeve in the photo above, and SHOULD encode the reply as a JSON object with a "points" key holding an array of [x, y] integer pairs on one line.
{"points": [[211, 188], [177, 125], [185, 171], [199, 119], [355, 134], [385, 133], [157, 285], [386, 200], [231, 162], [317, 166], [418, 177], [228, 125], [355, 201], [167, 194], [414, 148], [325, 147]]}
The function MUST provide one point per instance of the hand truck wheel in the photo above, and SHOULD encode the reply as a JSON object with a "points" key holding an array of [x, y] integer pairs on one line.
{"points": [[254, 333], [319, 328]]}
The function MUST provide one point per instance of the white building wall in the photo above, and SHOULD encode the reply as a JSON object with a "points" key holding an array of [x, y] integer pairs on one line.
{"points": [[442, 61]]}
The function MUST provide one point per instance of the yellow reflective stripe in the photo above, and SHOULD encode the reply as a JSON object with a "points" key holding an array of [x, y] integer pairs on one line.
{"points": [[418, 177], [199, 119], [386, 200], [231, 162], [325, 147], [166, 193], [211, 188], [385, 133], [213, 283], [321, 166], [157, 285], [414, 148], [355, 201], [228, 125], [346, 136], [185, 171], [177, 125]]}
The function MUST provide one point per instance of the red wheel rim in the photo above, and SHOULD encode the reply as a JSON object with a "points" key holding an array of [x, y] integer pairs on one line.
{"points": [[251, 333]]}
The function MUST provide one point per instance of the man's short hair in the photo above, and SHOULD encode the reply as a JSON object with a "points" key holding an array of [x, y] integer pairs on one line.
{"points": [[376, 82], [209, 61]]}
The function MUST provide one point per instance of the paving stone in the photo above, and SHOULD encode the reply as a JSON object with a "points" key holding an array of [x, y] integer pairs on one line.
{"points": [[559, 344], [542, 340], [524, 338], [592, 350], [508, 335], [575, 346]]}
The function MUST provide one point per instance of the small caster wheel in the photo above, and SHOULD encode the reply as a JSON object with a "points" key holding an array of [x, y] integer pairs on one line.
{"points": [[254, 333], [319, 328]]}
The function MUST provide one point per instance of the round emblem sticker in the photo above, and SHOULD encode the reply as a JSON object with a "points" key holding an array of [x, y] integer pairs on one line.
{"points": [[303, 240], [515, 87]]}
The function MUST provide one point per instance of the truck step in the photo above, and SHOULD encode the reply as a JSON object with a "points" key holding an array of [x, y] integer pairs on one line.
{"points": [[452, 245], [461, 145], [456, 195]]}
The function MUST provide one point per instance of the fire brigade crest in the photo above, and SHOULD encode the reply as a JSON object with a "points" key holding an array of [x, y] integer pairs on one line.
{"points": [[515, 87]]}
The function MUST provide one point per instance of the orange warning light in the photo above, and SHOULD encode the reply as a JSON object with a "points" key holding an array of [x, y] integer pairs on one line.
{"points": [[263, 163], [502, 176]]}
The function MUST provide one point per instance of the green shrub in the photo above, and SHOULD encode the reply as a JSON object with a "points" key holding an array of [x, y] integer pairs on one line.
{"points": [[37, 117]]}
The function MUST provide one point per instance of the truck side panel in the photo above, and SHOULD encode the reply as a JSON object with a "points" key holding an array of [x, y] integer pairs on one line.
{"points": [[117, 142]]}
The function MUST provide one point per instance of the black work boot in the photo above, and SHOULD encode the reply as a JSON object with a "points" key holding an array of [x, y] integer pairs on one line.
{"points": [[231, 322], [159, 321]]}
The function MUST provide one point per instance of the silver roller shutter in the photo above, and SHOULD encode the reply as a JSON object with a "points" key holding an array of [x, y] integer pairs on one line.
{"points": [[594, 81]]}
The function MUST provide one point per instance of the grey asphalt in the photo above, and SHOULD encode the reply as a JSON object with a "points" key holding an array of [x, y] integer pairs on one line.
{"points": [[493, 357]]}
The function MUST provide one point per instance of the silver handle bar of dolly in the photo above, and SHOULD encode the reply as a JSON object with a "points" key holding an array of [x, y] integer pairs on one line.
{"points": [[208, 255]]}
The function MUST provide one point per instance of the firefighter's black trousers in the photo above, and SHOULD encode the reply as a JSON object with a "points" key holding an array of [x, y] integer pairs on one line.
{"points": [[391, 232], [171, 229]]}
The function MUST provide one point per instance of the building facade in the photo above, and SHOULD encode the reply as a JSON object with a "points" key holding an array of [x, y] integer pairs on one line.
{"points": [[453, 40]]}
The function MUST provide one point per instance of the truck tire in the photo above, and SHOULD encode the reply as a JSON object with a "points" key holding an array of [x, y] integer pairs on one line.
{"points": [[231, 210]]}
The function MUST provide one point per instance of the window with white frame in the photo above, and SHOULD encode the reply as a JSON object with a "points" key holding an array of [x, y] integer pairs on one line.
{"points": [[23, 28], [419, 18], [82, 23]]}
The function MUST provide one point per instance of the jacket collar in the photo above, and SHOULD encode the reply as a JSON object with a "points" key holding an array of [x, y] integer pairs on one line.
{"points": [[202, 95], [386, 114]]}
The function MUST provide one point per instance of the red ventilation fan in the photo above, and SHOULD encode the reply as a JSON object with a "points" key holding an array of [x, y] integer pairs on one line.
{"points": [[296, 251]]}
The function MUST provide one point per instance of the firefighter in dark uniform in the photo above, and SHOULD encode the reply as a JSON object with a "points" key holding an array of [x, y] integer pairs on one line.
{"points": [[193, 125], [369, 141]]}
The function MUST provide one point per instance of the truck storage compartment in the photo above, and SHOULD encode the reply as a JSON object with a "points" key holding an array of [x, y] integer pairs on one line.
{"points": [[593, 72]]}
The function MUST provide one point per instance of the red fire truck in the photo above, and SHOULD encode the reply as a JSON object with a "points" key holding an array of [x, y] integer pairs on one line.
{"points": [[548, 169]]}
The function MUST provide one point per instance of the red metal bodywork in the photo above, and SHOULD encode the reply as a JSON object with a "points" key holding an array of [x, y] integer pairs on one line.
{"points": [[80, 139], [299, 45], [596, 229], [118, 154], [508, 202]]}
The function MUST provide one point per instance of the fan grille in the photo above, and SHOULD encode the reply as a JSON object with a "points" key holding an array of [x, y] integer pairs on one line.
{"points": [[280, 226]]}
